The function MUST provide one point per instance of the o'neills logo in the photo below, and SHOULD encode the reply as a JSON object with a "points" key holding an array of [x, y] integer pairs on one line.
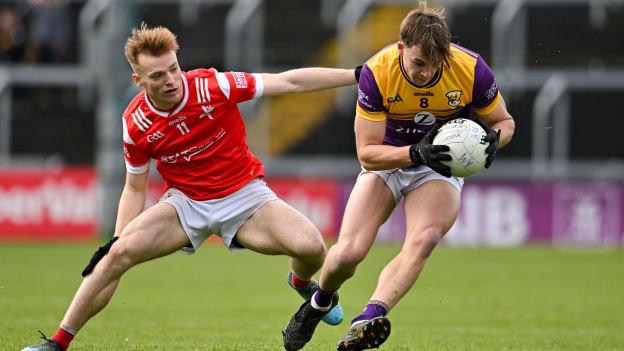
{"points": [[177, 120], [428, 93]]}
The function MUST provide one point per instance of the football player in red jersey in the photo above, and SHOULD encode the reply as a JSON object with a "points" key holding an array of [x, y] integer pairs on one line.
{"points": [[405, 91], [190, 124]]}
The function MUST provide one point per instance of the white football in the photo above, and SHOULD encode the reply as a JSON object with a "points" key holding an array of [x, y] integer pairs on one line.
{"points": [[467, 147]]}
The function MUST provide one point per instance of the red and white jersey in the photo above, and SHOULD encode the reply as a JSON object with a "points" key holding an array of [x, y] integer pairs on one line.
{"points": [[199, 146]]}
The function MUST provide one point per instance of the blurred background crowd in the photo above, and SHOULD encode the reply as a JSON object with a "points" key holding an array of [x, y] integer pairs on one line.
{"points": [[35, 31]]}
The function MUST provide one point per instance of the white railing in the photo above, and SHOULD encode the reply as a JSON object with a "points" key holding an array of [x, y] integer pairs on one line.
{"points": [[509, 28], [551, 115], [29, 75], [244, 29]]}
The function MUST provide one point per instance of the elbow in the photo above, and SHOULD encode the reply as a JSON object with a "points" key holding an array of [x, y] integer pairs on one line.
{"points": [[296, 89], [511, 127], [132, 191], [369, 164], [366, 166], [370, 158], [135, 188], [507, 131], [364, 163]]}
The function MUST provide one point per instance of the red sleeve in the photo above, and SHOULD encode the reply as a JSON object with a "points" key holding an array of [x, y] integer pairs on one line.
{"points": [[137, 161], [242, 86]]}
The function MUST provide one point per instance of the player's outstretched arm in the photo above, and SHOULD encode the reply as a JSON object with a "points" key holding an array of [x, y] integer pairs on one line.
{"points": [[307, 79]]}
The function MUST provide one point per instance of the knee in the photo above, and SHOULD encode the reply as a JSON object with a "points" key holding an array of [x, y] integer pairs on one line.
{"points": [[349, 255], [120, 257], [422, 244], [317, 250], [314, 247]]}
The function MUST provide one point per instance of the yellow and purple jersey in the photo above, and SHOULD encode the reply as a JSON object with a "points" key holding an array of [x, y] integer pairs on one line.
{"points": [[386, 94]]}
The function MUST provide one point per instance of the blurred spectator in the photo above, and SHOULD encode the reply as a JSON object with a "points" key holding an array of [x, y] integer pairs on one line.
{"points": [[12, 36], [49, 30]]}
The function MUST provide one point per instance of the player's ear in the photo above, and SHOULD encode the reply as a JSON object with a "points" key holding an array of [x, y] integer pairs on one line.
{"points": [[137, 80], [401, 46]]}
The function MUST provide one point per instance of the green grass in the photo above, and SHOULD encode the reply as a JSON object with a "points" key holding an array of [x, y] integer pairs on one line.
{"points": [[517, 299]]}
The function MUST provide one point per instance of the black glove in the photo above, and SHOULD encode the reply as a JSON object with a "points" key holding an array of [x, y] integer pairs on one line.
{"points": [[97, 256], [491, 137], [426, 154], [358, 70]]}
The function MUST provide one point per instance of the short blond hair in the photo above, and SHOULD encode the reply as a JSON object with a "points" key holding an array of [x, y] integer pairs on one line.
{"points": [[427, 27], [153, 41]]}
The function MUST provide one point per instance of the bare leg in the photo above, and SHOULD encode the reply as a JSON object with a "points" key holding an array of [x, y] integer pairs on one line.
{"points": [[430, 211], [370, 204], [156, 232], [356, 238], [278, 229]]}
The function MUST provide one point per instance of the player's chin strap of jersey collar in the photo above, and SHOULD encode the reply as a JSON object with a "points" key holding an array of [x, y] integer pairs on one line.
{"points": [[97, 256]]}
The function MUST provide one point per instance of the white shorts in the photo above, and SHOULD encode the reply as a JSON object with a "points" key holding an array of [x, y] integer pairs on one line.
{"points": [[222, 217], [401, 181]]}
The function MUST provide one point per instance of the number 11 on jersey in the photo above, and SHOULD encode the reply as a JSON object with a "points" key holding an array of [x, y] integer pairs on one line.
{"points": [[183, 128]]}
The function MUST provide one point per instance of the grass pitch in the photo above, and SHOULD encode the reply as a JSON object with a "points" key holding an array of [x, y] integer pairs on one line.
{"points": [[466, 299]]}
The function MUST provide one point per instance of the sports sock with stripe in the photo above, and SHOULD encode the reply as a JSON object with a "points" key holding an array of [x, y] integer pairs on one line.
{"points": [[297, 282], [64, 336], [372, 310], [322, 300]]}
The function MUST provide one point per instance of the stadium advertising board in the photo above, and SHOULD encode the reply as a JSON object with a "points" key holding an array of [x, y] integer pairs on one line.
{"points": [[62, 204], [42, 204], [513, 214], [315, 198]]}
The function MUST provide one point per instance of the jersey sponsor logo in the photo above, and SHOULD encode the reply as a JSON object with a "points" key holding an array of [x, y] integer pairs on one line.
{"points": [[207, 110], [177, 120], [454, 97], [424, 118], [408, 130], [239, 80], [201, 87], [188, 154], [491, 92], [139, 119], [393, 99], [155, 136]]}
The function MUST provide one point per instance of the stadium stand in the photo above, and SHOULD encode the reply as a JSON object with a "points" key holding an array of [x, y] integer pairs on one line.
{"points": [[551, 42], [549, 48]]}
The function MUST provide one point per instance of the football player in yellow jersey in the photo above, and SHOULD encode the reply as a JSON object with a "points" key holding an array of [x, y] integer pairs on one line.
{"points": [[405, 91]]}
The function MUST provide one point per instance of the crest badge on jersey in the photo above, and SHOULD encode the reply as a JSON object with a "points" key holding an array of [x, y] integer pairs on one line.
{"points": [[207, 112], [454, 97]]}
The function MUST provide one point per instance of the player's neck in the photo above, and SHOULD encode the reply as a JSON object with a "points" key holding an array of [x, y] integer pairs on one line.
{"points": [[162, 105]]}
